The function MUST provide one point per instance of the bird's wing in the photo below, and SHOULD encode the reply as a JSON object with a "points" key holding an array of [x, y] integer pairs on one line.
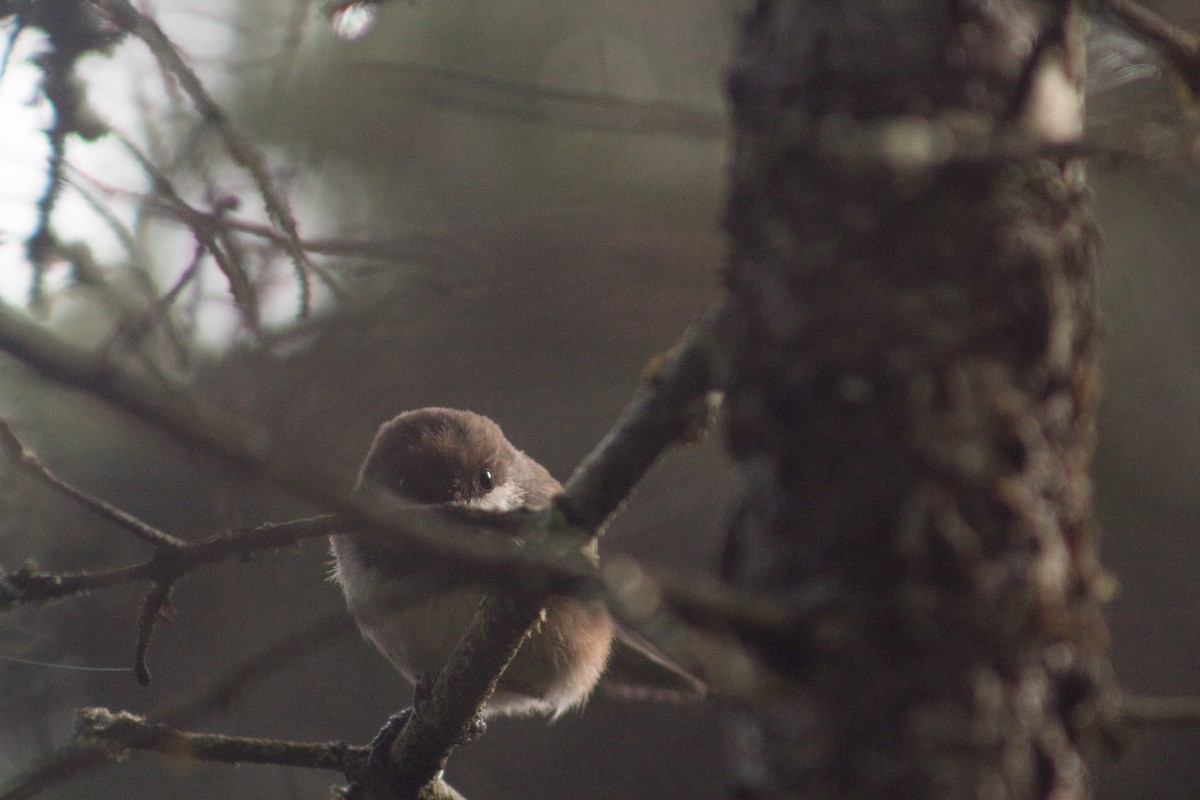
{"points": [[638, 670]]}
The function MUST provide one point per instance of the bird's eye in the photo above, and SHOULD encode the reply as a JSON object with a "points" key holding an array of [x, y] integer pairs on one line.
{"points": [[486, 480]]}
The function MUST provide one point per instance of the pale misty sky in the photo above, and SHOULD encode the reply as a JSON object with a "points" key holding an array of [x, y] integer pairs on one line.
{"points": [[120, 89]]}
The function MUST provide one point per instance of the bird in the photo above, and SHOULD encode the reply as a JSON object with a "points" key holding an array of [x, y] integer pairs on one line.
{"points": [[442, 455]]}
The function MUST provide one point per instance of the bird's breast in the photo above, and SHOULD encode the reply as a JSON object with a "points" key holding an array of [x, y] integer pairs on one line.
{"points": [[416, 629]]}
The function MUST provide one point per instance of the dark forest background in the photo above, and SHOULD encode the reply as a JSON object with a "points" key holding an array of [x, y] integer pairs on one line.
{"points": [[545, 183]]}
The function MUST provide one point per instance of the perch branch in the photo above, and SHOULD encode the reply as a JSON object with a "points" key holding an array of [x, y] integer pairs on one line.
{"points": [[449, 716], [675, 406]]}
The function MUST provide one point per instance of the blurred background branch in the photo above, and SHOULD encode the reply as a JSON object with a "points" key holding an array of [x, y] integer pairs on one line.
{"points": [[1178, 46]]}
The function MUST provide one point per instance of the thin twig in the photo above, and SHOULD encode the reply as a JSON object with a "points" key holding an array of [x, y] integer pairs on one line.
{"points": [[129, 19], [163, 569], [202, 227], [450, 713], [375, 249], [29, 585], [154, 608], [134, 332], [118, 732], [1161, 711], [137, 329], [118, 228], [217, 694], [28, 461]]}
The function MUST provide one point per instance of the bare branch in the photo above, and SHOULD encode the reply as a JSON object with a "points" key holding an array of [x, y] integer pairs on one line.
{"points": [[357, 248], [451, 713], [673, 407], [28, 461], [31, 585], [118, 732], [172, 559], [1161, 711], [133, 332], [154, 608], [239, 148], [115, 733], [375, 249]]}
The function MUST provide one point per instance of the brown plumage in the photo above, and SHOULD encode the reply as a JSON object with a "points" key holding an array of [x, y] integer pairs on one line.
{"points": [[441, 455]]}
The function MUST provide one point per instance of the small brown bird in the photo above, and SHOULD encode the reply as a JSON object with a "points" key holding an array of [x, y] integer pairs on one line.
{"points": [[442, 455]]}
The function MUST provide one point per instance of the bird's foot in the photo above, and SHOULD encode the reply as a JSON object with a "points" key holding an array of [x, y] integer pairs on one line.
{"points": [[379, 762]]}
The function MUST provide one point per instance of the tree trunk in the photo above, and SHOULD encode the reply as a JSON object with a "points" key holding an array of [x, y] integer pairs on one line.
{"points": [[912, 397]]}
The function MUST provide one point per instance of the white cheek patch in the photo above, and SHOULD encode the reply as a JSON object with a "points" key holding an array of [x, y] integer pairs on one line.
{"points": [[504, 497]]}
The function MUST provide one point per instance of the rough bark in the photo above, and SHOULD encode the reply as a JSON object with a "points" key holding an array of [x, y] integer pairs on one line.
{"points": [[912, 390]]}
